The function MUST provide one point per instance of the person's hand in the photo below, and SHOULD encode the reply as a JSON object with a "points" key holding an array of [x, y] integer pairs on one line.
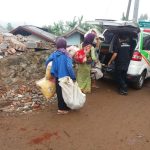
{"points": [[109, 63], [74, 81]]}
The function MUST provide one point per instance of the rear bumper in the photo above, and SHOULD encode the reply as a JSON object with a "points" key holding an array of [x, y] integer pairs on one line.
{"points": [[110, 74], [132, 78]]}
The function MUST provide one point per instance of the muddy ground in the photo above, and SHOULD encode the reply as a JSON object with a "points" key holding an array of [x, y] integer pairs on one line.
{"points": [[108, 121]]}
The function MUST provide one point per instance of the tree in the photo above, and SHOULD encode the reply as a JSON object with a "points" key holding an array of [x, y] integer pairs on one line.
{"points": [[9, 27], [123, 17], [86, 26], [62, 27], [71, 24], [57, 28], [143, 17], [78, 22]]}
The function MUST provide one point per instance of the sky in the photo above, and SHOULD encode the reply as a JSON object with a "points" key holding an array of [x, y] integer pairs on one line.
{"points": [[46, 12]]}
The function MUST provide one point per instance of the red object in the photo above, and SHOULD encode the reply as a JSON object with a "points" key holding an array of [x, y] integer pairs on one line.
{"points": [[146, 30], [137, 56], [80, 56]]}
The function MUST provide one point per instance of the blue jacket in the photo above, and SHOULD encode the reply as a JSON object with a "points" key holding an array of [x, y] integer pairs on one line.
{"points": [[62, 65]]}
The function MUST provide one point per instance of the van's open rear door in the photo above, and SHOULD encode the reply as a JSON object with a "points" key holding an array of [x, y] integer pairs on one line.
{"points": [[107, 22], [115, 25]]}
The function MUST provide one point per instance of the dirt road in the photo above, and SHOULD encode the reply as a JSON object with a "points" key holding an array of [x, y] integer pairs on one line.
{"points": [[108, 121]]}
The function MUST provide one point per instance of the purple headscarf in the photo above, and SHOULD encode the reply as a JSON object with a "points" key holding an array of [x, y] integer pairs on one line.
{"points": [[61, 45], [88, 39]]}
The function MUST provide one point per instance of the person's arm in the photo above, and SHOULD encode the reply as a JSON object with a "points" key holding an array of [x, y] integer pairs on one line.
{"points": [[50, 58], [97, 43], [93, 54], [70, 69], [115, 51], [112, 58]]}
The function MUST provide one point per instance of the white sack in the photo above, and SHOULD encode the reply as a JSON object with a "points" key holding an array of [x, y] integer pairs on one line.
{"points": [[71, 93], [96, 71]]}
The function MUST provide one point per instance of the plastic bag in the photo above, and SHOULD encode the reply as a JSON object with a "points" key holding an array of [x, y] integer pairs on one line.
{"points": [[80, 56], [96, 71], [72, 50], [47, 87], [48, 75], [72, 94]]}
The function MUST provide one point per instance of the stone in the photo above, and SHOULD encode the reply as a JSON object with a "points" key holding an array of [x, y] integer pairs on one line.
{"points": [[4, 46], [31, 44], [20, 109], [20, 96]]}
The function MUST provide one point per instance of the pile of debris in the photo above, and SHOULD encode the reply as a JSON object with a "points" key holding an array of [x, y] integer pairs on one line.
{"points": [[17, 44], [18, 91], [10, 44], [23, 98], [18, 73]]}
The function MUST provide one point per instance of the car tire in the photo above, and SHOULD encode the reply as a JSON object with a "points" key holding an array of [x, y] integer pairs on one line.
{"points": [[139, 84]]}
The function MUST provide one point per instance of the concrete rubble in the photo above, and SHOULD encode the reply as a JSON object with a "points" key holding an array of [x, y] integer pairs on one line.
{"points": [[10, 44], [17, 44], [18, 74], [23, 99]]}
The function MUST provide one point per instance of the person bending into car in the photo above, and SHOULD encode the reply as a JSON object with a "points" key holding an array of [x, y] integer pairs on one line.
{"points": [[121, 56]]}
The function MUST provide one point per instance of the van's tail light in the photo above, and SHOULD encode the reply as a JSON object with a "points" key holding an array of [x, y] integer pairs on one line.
{"points": [[137, 56]]}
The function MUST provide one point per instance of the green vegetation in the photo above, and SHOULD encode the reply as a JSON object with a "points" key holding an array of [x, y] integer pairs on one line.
{"points": [[9, 27], [62, 27]]}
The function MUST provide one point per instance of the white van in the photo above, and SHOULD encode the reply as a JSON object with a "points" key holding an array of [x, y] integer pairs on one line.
{"points": [[139, 67]]}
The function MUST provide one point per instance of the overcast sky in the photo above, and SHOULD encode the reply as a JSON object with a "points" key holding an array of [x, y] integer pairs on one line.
{"points": [[46, 12]]}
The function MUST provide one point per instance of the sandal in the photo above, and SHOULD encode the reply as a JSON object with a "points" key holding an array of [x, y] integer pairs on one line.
{"points": [[62, 112]]}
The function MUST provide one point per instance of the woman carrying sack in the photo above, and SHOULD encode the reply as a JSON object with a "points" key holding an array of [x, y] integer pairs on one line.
{"points": [[84, 69], [62, 66]]}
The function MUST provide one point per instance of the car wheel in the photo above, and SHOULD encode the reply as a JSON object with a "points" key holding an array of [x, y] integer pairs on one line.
{"points": [[140, 81]]}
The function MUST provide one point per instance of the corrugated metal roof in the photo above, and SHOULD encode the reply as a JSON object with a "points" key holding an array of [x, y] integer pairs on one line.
{"points": [[38, 32], [76, 29]]}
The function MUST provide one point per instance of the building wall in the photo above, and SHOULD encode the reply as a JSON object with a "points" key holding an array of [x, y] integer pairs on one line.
{"points": [[74, 39], [35, 38], [39, 43]]}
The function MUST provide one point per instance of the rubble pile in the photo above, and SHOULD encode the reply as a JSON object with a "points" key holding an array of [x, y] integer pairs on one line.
{"points": [[23, 67], [35, 44], [18, 74], [17, 44], [10, 44], [23, 98]]}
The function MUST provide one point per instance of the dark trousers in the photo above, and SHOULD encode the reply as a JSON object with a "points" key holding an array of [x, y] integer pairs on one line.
{"points": [[121, 78], [61, 104]]}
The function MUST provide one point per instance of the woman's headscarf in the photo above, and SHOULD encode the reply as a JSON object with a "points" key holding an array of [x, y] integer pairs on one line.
{"points": [[61, 43], [88, 39]]}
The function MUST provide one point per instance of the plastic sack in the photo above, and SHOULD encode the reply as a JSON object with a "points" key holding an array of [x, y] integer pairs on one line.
{"points": [[72, 94], [48, 75], [72, 50], [96, 71], [47, 87], [80, 56]]}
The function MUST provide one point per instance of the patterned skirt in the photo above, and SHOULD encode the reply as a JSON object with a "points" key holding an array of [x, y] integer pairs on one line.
{"points": [[84, 77]]}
